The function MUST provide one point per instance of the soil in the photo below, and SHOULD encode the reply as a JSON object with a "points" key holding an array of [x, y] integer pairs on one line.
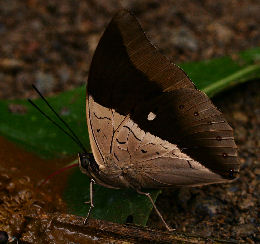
{"points": [[50, 43], [227, 211]]}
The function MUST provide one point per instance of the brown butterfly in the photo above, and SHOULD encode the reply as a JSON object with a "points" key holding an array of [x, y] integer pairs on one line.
{"points": [[149, 126]]}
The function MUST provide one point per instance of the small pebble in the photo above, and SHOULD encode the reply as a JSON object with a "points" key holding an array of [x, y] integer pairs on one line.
{"points": [[184, 39], [244, 230], [44, 82], [240, 116]]}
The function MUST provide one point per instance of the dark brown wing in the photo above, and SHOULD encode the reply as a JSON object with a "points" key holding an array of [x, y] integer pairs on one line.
{"points": [[155, 163], [129, 75], [127, 69], [195, 125]]}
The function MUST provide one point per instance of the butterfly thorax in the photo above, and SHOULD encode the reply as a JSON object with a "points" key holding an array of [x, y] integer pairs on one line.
{"points": [[118, 174]]}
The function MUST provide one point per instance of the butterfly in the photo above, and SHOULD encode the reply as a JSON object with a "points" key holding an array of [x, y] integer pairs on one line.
{"points": [[149, 126]]}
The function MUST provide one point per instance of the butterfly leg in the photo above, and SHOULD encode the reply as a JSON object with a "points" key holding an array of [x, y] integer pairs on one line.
{"points": [[156, 209], [91, 199]]}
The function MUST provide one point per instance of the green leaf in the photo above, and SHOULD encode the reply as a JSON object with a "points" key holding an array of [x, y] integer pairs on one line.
{"points": [[216, 75], [110, 204], [38, 135]]}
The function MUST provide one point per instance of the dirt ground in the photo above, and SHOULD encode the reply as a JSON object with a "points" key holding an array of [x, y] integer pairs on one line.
{"points": [[227, 211], [50, 43]]}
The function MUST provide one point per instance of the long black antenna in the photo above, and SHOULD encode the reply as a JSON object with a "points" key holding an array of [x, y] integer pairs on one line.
{"points": [[73, 136], [56, 124], [58, 116]]}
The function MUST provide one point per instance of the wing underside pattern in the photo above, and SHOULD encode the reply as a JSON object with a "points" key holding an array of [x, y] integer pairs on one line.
{"points": [[189, 142], [153, 162]]}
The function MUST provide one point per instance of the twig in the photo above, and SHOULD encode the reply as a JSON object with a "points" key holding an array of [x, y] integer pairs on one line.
{"points": [[70, 229]]}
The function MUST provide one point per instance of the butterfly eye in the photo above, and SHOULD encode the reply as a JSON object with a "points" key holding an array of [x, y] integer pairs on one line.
{"points": [[83, 160]]}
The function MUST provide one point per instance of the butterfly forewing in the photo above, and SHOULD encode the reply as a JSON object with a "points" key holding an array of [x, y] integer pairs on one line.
{"points": [[101, 126], [146, 118]]}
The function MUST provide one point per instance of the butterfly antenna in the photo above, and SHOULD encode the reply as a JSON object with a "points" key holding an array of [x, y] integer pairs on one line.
{"points": [[73, 136], [56, 124]]}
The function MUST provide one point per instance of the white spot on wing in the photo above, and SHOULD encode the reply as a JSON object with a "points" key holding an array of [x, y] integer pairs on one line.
{"points": [[151, 116]]}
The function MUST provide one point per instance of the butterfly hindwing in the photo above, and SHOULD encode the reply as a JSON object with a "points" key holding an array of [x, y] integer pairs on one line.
{"points": [[161, 163]]}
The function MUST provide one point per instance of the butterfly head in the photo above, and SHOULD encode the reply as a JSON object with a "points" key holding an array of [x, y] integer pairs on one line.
{"points": [[87, 164]]}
